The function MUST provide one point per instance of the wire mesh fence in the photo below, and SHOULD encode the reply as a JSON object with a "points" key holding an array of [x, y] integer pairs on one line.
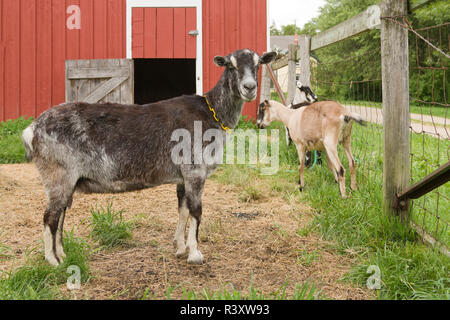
{"points": [[354, 80], [429, 134]]}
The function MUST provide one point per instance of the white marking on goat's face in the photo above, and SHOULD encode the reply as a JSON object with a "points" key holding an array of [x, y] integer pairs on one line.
{"points": [[242, 67], [256, 59], [302, 97], [245, 73], [264, 118], [305, 94], [233, 62]]}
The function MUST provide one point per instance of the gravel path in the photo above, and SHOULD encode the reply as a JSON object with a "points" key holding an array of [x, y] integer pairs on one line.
{"points": [[431, 125]]}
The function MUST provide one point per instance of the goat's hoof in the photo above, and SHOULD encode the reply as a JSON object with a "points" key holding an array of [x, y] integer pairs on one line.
{"points": [[195, 258], [61, 254], [181, 253], [52, 261], [300, 188]]}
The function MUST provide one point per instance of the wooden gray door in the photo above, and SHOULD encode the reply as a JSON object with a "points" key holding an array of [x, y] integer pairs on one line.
{"points": [[92, 81]]}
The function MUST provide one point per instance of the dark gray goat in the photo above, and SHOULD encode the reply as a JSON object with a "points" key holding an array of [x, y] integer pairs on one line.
{"points": [[110, 148]]}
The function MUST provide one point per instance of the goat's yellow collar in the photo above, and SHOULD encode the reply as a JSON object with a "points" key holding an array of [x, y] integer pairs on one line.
{"points": [[228, 130]]}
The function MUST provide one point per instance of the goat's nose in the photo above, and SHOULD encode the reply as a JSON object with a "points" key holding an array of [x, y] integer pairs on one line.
{"points": [[250, 86]]}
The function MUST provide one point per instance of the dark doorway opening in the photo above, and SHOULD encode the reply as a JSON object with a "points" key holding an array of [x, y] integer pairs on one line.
{"points": [[160, 79]]}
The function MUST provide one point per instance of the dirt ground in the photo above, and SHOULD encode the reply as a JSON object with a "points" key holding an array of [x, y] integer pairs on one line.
{"points": [[240, 241]]}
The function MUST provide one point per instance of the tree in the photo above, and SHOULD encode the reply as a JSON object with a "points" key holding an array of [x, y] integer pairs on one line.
{"points": [[274, 30], [350, 69], [290, 30]]}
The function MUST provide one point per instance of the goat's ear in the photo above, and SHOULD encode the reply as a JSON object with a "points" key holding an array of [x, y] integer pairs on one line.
{"points": [[299, 84], [221, 61], [267, 57]]}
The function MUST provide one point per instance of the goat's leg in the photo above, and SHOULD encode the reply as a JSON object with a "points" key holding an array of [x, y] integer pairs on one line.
{"points": [[59, 186], [301, 167], [53, 233], [288, 137], [183, 212], [59, 236], [330, 166], [194, 190], [351, 161], [52, 216], [331, 149]]}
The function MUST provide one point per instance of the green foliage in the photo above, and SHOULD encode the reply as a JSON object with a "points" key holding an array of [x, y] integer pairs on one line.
{"points": [[11, 147], [244, 123], [351, 69], [274, 31], [286, 30], [290, 30], [109, 228]]}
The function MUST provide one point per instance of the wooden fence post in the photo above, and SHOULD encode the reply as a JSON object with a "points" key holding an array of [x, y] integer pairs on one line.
{"points": [[265, 85], [396, 121], [292, 72], [305, 68]]}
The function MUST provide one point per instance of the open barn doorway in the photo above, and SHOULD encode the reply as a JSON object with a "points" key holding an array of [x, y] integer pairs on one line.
{"points": [[160, 79]]}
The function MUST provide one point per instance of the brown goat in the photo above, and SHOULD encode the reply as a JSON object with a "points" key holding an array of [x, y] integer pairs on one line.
{"points": [[319, 126]]}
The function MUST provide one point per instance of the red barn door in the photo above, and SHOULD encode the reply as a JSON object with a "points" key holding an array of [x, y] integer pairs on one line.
{"points": [[164, 33], [164, 38]]}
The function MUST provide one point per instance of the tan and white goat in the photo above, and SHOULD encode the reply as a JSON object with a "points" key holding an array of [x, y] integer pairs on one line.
{"points": [[319, 126]]}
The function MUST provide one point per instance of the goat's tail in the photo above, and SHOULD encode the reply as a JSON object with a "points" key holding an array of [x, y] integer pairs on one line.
{"points": [[349, 116], [27, 139]]}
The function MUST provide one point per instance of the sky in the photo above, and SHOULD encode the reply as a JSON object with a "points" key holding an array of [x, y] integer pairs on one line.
{"points": [[285, 12]]}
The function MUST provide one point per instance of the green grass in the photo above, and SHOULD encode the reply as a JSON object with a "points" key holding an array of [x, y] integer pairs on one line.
{"points": [[37, 280], [428, 152], [11, 147], [307, 291], [109, 228], [409, 269]]}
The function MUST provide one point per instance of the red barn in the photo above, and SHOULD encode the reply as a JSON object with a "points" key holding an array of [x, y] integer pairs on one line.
{"points": [[172, 43]]}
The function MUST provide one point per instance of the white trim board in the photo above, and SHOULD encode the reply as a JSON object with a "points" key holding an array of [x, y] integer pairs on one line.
{"points": [[170, 4], [268, 25]]}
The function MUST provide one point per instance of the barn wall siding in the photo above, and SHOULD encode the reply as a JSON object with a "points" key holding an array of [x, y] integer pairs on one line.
{"points": [[35, 42], [163, 33], [228, 26]]}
